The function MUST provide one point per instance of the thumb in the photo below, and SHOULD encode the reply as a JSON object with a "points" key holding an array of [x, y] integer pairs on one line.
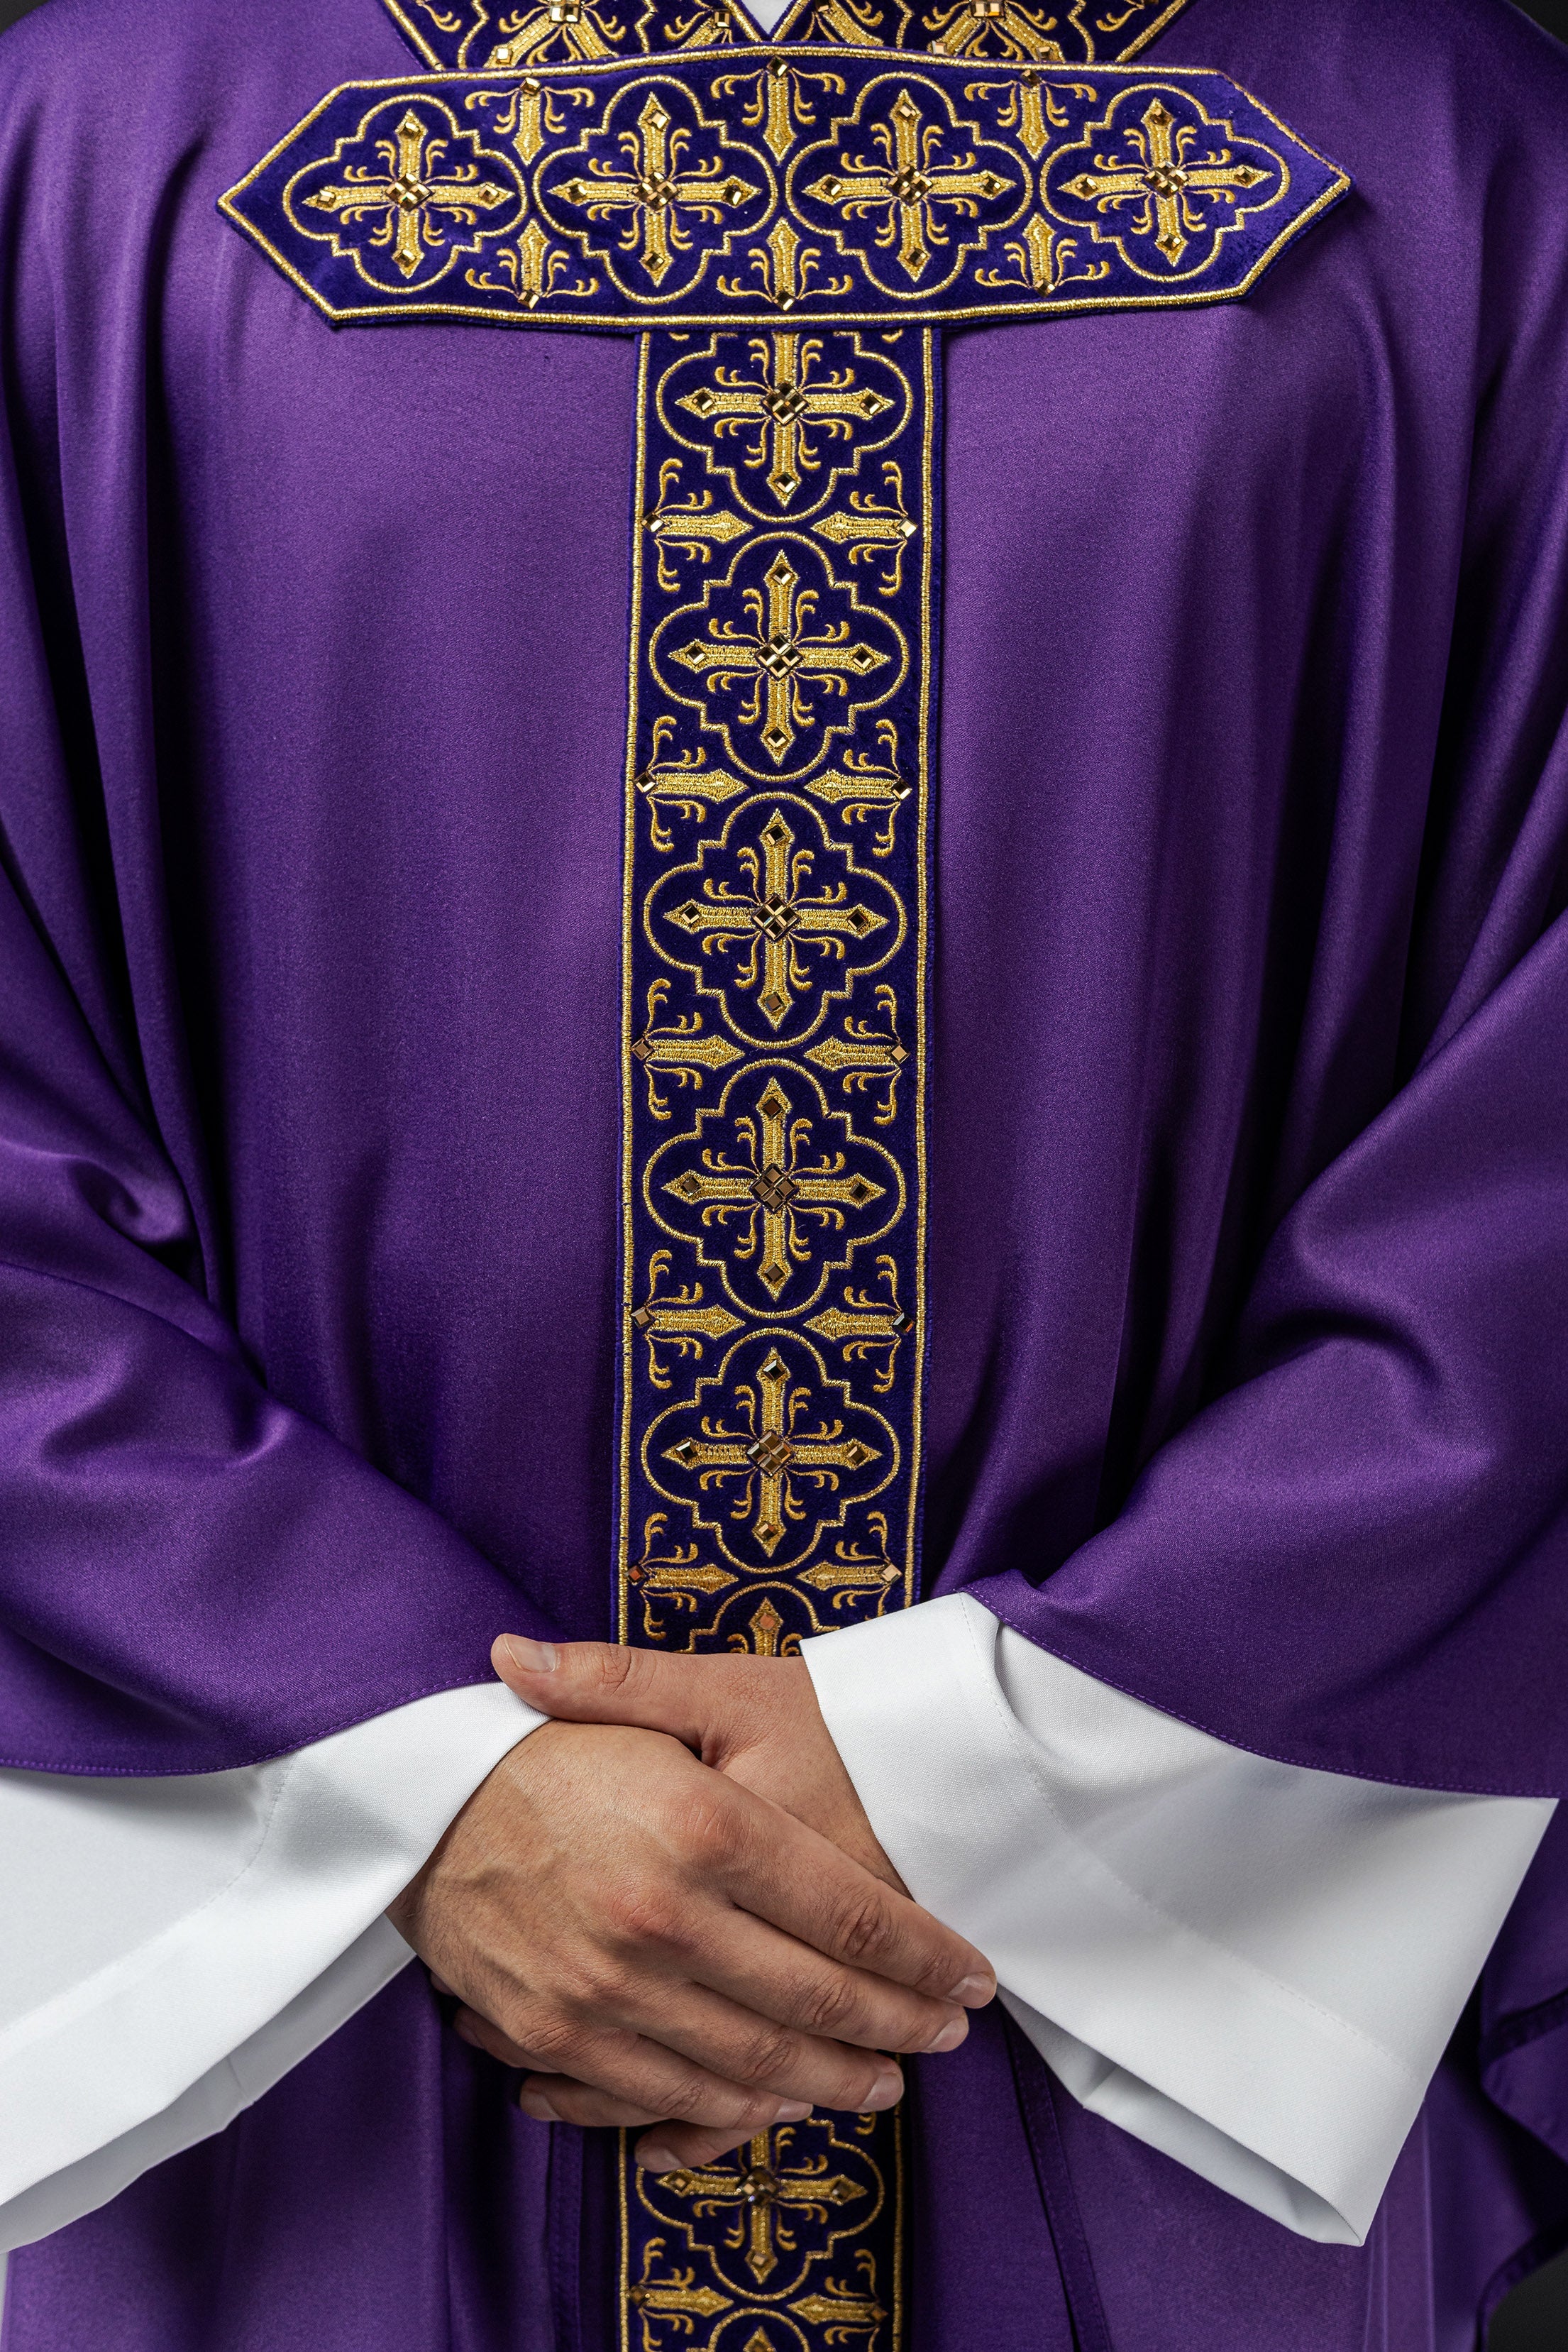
{"points": [[600, 1681]]}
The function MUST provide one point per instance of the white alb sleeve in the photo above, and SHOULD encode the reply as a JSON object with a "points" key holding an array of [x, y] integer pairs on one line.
{"points": [[1252, 1966], [173, 1947]]}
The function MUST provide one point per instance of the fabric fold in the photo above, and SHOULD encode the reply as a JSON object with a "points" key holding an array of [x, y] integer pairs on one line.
{"points": [[1252, 1968], [190, 1940]]}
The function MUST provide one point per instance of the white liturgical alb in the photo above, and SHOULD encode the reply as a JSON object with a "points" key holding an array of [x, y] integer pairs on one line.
{"points": [[1250, 1966]]}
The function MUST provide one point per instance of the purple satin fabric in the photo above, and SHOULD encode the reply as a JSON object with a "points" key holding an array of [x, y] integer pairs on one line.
{"points": [[1249, 1290]]}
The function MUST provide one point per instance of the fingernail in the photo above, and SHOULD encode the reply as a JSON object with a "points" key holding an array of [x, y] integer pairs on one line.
{"points": [[952, 2033], [464, 2032], [974, 1991], [654, 2157], [535, 2104], [792, 2111], [885, 2092], [531, 1657]]}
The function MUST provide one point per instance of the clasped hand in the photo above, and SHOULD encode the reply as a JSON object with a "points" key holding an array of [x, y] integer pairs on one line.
{"points": [[668, 1907]]}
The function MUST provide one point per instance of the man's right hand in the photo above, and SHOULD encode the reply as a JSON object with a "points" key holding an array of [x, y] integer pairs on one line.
{"points": [[671, 1946]]}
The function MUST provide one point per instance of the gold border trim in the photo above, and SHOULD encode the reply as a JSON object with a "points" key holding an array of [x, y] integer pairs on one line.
{"points": [[758, 36]]}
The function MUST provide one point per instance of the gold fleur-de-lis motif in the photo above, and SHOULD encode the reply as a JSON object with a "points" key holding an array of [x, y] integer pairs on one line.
{"points": [[573, 28], [1029, 103], [690, 527], [655, 187], [839, 2311], [787, 269], [710, 24], [856, 24], [683, 784], [532, 269], [909, 185], [867, 1326], [873, 532], [414, 202], [969, 28], [778, 102], [685, 1049], [531, 111], [679, 2293], [865, 1057], [677, 1319]]}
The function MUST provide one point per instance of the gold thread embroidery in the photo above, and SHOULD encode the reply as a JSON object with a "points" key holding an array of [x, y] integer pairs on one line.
{"points": [[770, 1442], [904, 203], [398, 189]]}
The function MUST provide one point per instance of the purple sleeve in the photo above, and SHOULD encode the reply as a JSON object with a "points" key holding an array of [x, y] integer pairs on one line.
{"points": [[191, 1575]]}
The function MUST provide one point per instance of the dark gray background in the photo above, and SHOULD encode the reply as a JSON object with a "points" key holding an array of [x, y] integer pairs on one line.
{"points": [[1535, 2318]]}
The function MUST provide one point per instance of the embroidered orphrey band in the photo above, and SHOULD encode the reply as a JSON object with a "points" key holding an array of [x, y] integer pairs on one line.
{"points": [[786, 228], [778, 815]]}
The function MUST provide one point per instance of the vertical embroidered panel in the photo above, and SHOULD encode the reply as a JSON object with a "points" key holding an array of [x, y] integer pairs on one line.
{"points": [[777, 818]]}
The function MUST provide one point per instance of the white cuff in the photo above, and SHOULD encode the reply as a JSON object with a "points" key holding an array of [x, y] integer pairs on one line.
{"points": [[1252, 1966], [189, 1940]]}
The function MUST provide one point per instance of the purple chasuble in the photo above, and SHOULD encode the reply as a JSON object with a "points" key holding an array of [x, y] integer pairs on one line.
{"points": [[1247, 1285]]}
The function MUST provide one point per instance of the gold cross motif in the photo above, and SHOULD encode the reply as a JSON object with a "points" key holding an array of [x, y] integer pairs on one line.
{"points": [[783, 403], [1161, 183], [778, 657], [775, 1187], [910, 187], [412, 200], [655, 188], [776, 917], [758, 2192], [770, 1454]]}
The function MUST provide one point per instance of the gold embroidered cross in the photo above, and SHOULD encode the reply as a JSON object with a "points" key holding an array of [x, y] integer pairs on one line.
{"points": [[410, 198], [911, 185], [783, 403], [655, 188], [775, 917], [780, 656], [776, 1187], [771, 1454], [758, 2191], [1161, 183]]}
